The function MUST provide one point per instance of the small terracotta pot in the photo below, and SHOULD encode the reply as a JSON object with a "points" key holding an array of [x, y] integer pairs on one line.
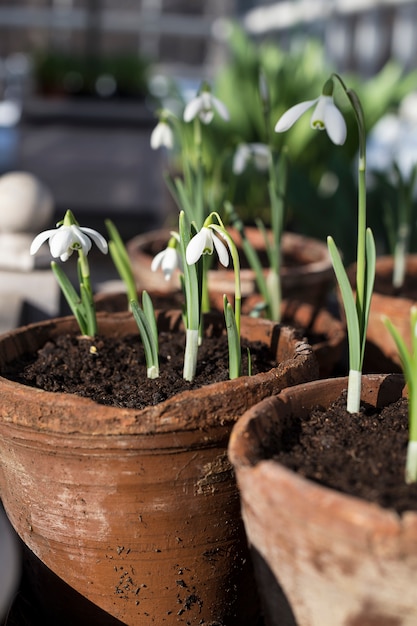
{"points": [[309, 272], [321, 558], [381, 354], [132, 516]]}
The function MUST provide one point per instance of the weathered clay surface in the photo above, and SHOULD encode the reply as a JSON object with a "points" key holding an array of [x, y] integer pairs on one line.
{"points": [[340, 561], [136, 513]]}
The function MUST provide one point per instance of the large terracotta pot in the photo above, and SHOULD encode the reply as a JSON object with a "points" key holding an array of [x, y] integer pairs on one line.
{"points": [[381, 354], [321, 558], [132, 516], [308, 272]]}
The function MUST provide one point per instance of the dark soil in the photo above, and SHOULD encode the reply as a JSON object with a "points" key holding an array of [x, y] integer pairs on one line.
{"points": [[362, 455], [112, 371]]}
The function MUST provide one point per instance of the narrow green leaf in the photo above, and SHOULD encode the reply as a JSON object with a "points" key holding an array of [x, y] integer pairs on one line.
{"points": [[233, 340], [349, 306], [121, 260], [151, 351], [71, 296], [370, 252], [149, 311]]}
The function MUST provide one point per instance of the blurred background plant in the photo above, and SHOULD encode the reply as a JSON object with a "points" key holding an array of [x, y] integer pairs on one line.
{"points": [[321, 180]]}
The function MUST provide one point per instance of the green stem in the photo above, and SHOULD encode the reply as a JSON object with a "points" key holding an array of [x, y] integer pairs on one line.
{"points": [[85, 281]]}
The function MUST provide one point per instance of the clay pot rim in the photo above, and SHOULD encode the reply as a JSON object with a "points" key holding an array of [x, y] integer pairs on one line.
{"points": [[248, 461], [321, 266], [165, 418]]}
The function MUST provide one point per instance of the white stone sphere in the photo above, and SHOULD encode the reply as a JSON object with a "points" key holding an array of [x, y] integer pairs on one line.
{"points": [[26, 204]]}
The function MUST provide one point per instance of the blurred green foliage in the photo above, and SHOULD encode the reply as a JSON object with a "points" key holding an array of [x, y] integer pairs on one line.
{"points": [[322, 191], [322, 183]]}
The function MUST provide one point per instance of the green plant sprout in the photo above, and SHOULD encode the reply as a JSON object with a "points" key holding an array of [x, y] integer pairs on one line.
{"points": [[263, 157], [409, 366], [63, 240], [146, 322], [190, 190], [326, 116], [212, 236], [186, 250], [399, 221], [121, 260]]}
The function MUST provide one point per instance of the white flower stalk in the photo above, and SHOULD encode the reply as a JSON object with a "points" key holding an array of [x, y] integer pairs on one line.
{"points": [[204, 105], [326, 116], [68, 237], [162, 135], [257, 153], [204, 242], [168, 260]]}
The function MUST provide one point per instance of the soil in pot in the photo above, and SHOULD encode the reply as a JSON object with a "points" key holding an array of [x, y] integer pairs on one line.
{"points": [[107, 369], [362, 455]]}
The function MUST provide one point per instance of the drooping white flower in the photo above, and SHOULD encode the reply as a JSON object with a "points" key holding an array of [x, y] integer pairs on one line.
{"points": [[67, 237], [204, 105], [162, 136], [326, 116], [168, 260], [259, 153], [204, 242]]}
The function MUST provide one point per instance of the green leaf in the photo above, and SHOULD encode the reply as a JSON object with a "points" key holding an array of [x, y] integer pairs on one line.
{"points": [[71, 296], [147, 337], [349, 306], [233, 340], [370, 252], [149, 312], [121, 260]]}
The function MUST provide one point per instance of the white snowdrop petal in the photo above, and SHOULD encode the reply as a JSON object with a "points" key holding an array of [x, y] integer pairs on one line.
{"points": [[98, 239], [206, 116], [221, 250], [40, 239], [221, 108], [335, 124], [157, 260], [192, 109], [240, 159], [61, 241], [292, 115], [80, 239], [199, 244]]}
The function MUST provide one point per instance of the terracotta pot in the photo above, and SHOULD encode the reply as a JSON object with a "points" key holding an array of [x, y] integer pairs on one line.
{"points": [[132, 516], [381, 354], [321, 558], [309, 271]]}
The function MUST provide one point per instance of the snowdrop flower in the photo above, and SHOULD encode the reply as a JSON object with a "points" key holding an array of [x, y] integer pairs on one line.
{"points": [[326, 116], [204, 242], [169, 259], [162, 135], [259, 153], [204, 105], [67, 237]]}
